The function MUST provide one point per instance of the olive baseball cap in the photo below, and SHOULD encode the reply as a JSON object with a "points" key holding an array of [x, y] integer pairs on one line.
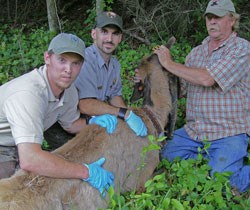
{"points": [[220, 7], [108, 18], [65, 42]]}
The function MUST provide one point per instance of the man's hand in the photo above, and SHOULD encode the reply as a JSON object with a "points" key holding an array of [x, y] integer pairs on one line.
{"points": [[99, 178], [136, 124], [107, 121]]}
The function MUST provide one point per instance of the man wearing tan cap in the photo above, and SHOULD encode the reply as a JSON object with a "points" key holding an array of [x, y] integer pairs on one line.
{"points": [[99, 83], [217, 78], [33, 102]]}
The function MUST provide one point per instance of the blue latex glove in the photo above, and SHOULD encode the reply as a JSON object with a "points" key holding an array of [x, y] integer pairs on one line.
{"points": [[99, 178], [107, 121], [136, 124]]}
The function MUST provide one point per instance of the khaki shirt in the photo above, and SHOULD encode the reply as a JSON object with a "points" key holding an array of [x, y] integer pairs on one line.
{"points": [[28, 108]]}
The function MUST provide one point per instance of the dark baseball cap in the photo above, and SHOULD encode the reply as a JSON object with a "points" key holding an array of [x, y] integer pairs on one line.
{"points": [[109, 18], [65, 42]]}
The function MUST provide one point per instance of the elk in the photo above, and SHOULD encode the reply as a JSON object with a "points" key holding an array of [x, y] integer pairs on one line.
{"points": [[122, 151]]}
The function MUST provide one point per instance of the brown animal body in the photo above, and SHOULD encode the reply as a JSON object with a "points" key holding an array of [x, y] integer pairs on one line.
{"points": [[122, 150]]}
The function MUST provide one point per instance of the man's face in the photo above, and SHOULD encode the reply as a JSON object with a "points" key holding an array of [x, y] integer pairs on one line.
{"points": [[62, 70], [106, 39], [219, 28]]}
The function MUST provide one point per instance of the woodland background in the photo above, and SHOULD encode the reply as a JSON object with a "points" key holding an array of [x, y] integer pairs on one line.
{"points": [[25, 33]]}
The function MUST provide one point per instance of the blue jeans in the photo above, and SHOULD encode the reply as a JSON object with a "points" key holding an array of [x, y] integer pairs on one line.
{"points": [[225, 154]]}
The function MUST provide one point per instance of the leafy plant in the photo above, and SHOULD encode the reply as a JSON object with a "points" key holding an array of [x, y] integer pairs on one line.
{"points": [[183, 184], [45, 145], [20, 52], [129, 60]]}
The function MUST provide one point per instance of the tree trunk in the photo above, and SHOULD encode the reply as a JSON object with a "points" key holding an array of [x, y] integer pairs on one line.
{"points": [[53, 19], [99, 6]]}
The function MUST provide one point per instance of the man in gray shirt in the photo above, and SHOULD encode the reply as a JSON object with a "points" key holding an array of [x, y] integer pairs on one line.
{"points": [[99, 83]]}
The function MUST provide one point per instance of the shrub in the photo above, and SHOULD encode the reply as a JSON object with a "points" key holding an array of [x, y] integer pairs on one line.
{"points": [[182, 185], [21, 52]]}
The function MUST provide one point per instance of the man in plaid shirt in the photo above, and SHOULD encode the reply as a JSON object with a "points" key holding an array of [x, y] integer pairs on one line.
{"points": [[217, 82]]}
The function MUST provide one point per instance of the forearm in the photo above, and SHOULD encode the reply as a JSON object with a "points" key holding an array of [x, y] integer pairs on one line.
{"points": [[118, 101], [95, 107], [76, 126], [197, 76], [193, 75], [40, 162]]}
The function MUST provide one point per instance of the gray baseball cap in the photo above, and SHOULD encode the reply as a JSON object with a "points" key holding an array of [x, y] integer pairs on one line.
{"points": [[220, 7], [65, 42], [108, 18]]}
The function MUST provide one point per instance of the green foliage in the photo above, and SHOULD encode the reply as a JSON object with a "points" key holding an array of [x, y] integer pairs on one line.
{"points": [[45, 145], [83, 28], [184, 184], [108, 5], [20, 52], [129, 59], [181, 114], [180, 50]]}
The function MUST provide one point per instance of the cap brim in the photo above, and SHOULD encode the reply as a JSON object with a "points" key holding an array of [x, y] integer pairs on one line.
{"points": [[60, 51], [217, 12], [106, 24]]}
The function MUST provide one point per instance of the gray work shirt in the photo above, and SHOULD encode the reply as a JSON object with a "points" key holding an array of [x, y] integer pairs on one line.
{"points": [[96, 80]]}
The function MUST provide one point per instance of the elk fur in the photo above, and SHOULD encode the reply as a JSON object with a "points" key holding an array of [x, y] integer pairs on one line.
{"points": [[122, 151]]}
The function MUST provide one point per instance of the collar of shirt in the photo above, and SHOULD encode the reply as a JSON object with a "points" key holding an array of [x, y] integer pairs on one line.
{"points": [[99, 58], [207, 40], [43, 71]]}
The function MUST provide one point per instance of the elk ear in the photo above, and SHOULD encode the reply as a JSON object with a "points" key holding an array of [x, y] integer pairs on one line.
{"points": [[171, 41], [137, 92]]}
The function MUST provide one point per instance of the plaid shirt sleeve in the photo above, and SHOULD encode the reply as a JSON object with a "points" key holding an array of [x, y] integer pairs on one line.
{"points": [[228, 70], [223, 109]]}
